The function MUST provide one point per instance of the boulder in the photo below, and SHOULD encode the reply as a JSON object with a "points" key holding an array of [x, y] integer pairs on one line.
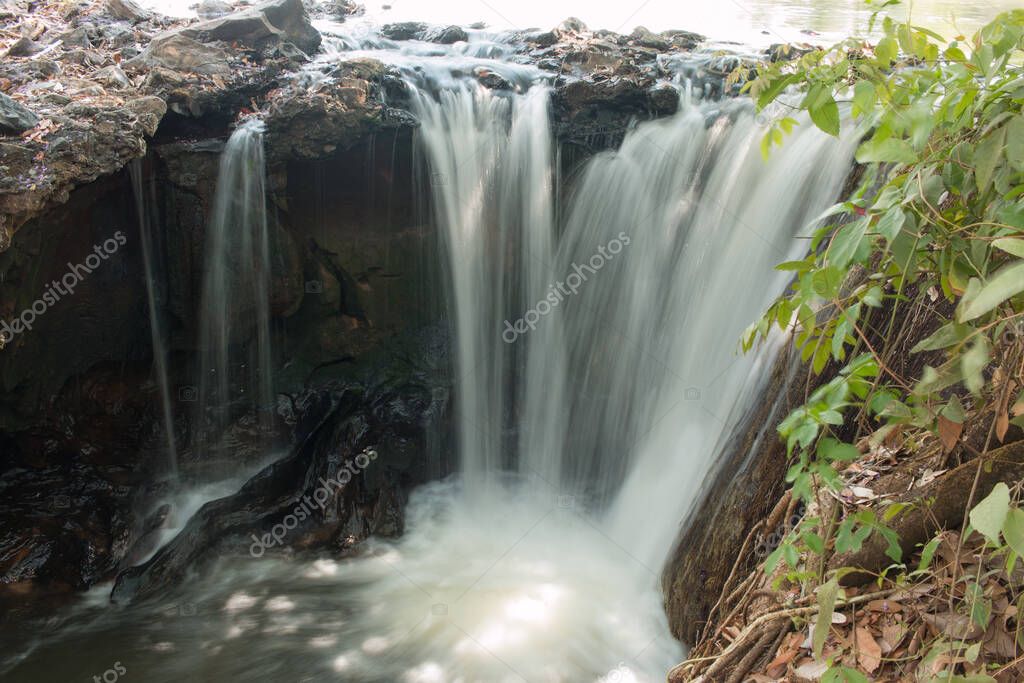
{"points": [[213, 9], [406, 30], [261, 26], [644, 38], [23, 47], [445, 35], [112, 77], [15, 118], [127, 10], [177, 52]]}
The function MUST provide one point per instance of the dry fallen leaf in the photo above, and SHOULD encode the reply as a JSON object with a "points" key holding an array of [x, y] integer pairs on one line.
{"points": [[949, 433], [869, 652]]}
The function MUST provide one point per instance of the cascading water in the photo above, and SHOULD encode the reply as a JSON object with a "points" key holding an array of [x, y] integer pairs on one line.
{"points": [[149, 240], [598, 376], [235, 373]]}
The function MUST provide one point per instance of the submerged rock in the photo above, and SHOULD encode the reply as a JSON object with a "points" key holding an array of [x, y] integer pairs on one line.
{"points": [[406, 30]]}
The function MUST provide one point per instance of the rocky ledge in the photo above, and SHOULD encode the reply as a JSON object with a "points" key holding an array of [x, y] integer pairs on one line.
{"points": [[83, 85]]}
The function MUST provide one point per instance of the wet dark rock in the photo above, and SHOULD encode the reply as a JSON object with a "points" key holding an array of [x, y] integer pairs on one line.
{"points": [[683, 40], [339, 10], [14, 117], [444, 35], [541, 38], [358, 450], [644, 38], [494, 81], [779, 52], [261, 26], [406, 30], [127, 10]]}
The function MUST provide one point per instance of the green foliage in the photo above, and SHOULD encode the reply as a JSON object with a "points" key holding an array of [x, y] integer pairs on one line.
{"points": [[939, 213]]}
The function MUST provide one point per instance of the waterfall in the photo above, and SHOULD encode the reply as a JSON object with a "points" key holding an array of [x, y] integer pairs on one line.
{"points": [[235, 373], [599, 357], [157, 334]]}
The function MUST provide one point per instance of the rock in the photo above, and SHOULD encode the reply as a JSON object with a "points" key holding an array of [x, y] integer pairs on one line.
{"points": [[683, 40], [212, 9], [340, 10], [112, 77], [127, 10], [406, 30], [541, 39], [780, 52], [644, 38], [176, 52], [15, 118], [445, 36], [489, 79], [261, 26], [23, 47], [570, 26], [77, 38]]}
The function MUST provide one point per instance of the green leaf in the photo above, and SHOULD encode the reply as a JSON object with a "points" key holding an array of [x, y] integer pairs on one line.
{"points": [[1013, 530], [826, 115], [890, 224], [928, 553], [833, 450], [842, 674], [827, 594], [989, 515], [945, 336], [1011, 245], [774, 89], [847, 240], [973, 362], [890, 150], [1015, 142], [987, 156], [1008, 282], [864, 97], [886, 50]]}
